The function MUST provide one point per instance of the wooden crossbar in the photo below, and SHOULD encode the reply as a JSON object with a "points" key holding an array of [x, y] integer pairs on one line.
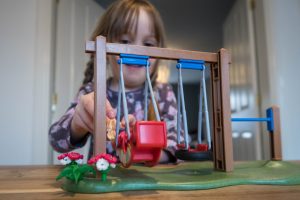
{"points": [[154, 52]]}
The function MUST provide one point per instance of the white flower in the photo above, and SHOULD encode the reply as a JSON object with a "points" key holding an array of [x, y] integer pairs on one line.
{"points": [[66, 160], [79, 161], [112, 165], [102, 164]]}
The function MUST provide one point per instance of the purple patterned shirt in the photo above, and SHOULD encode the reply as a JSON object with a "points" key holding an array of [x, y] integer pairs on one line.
{"points": [[59, 133]]}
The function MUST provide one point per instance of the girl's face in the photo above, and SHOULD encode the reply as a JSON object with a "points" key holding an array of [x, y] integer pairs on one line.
{"points": [[135, 76]]}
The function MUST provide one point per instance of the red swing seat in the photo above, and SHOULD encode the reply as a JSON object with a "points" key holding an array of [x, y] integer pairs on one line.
{"points": [[146, 143]]}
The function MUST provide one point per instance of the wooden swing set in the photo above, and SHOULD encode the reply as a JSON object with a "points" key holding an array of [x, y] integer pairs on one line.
{"points": [[148, 147]]}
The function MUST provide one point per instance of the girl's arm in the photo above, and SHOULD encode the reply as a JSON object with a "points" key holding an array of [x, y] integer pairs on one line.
{"points": [[60, 135], [73, 128]]}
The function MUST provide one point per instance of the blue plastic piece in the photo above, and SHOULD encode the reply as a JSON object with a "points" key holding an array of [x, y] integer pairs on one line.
{"points": [[250, 119], [270, 124], [269, 119], [191, 64], [131, 59]]}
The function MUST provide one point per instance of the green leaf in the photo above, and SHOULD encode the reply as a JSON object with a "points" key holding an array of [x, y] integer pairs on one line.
{"points": [[65, 172], [77, 176], [71, 175], [75, 168], [84, 169], [73, 163], [76, 172]]}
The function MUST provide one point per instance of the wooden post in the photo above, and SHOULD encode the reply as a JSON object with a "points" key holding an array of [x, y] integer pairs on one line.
{"points": [[222, 134], [100, 96], [275, 135]]}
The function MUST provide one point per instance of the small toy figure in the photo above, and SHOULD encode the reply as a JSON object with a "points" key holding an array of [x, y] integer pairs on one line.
{"points": [[104, 162], [111, 129]]}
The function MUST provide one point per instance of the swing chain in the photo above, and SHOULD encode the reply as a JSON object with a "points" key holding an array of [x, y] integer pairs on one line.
{"points": [[195, 65], [137, 60]]}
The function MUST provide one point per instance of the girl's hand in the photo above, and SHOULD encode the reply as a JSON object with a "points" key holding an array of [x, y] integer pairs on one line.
{"points": [[83, 119]]}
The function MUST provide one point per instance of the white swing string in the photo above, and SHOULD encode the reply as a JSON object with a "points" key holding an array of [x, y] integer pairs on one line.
{"points": [[206, 110], [118, 111], [151, 92], [181, 93], [178, 112], [146, 98], [125, 109], [200, 114]]}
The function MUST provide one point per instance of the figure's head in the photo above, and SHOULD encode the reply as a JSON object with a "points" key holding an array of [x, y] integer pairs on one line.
{"points": [[134, 22]]}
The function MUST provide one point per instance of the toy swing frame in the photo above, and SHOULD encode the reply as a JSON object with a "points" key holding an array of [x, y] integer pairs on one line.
{"points": [[221, 114]]}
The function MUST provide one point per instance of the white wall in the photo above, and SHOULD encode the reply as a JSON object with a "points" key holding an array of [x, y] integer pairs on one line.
{"points": [[25, 58], [280, 73]]}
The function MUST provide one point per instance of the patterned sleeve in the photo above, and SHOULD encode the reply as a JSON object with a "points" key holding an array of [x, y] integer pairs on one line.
{"points": [[168, 108], [60, 131]]}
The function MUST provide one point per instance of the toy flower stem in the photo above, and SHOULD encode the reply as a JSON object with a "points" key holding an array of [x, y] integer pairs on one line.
{"points": [[104, 176]]}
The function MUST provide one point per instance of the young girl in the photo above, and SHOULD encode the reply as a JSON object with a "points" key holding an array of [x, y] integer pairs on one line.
{"points": [[134, 22]]}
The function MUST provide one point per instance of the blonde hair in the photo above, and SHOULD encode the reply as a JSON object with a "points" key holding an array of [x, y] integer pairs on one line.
{"points": [[120, 18]]}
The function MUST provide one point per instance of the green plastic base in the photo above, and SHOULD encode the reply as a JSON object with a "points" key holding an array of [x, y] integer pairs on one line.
{"points": [[189, 176]]}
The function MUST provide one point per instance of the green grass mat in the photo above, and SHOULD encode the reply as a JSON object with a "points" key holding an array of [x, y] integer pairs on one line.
{"points": [[189, 176]]}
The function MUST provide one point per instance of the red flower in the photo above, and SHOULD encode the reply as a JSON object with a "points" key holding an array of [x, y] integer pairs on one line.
{"points": [[62, 156], [71, 155], [92, 160], [111, 159], [75, 156]]}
